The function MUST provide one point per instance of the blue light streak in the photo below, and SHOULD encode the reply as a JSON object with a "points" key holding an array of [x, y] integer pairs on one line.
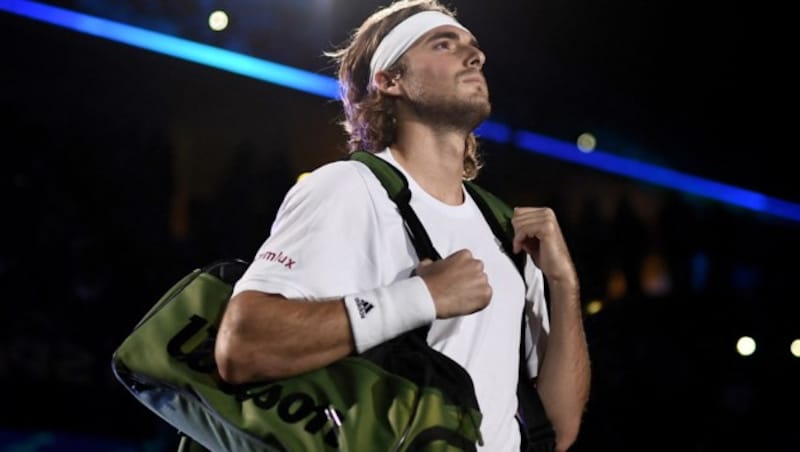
{"points": [[494, 131], [237, 63], [657, 175], [328, 87]]}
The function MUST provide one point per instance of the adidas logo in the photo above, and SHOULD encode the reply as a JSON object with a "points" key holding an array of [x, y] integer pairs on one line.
{"points": [[364, 307]]}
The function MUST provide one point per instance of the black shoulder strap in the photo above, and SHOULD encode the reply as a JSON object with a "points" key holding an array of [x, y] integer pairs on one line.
{"points": [[396, 187], [537, 427], [498, 214]]}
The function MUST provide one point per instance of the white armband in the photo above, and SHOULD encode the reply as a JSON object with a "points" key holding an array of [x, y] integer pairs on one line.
{"points": [[381, 314]]}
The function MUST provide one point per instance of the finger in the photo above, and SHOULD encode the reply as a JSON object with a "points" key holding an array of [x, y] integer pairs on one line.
{"points": [[516, 243], [524, 212], [532, 214], [534, 225], [461, 254]]}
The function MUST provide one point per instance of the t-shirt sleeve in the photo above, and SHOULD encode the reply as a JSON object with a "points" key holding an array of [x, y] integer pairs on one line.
{"points": [[318, 246], [537, 316]]}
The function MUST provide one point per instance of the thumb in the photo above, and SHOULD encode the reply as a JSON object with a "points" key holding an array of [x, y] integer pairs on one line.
{"points": [[517, 243], [423, 263]]}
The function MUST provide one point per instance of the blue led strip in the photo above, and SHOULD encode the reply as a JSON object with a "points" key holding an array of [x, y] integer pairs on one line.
{"points": [[180, 48], [328, 87], [657, 175]]}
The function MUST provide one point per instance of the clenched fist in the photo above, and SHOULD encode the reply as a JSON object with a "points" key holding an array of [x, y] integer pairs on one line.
{"points": [[457, 284], [536, 231]]}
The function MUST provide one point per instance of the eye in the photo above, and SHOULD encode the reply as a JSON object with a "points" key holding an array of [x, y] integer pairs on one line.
{"points": [[442, 45]]}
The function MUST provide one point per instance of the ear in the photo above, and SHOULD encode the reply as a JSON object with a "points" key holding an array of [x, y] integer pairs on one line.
{"points": [[387, 83]]}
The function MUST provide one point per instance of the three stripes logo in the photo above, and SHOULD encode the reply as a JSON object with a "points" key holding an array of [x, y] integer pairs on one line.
{"points": [[364, 307]]}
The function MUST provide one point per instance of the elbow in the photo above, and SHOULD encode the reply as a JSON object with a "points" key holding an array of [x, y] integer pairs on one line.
{"points": [[232, 349], [231, 367], [236, 368], [242, 351], [566, 430], [237, 364], [566, 435], [566, 423], [226, 368]]}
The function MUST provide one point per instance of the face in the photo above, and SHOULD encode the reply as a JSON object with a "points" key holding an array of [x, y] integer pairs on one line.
{"points": [[442, 81]]}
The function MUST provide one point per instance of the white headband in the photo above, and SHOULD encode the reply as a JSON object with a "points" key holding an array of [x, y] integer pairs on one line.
{"points": [[404, 35]]}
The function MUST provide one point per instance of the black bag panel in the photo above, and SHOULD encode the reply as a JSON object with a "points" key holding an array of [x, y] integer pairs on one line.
{"points": [[410, 356]]}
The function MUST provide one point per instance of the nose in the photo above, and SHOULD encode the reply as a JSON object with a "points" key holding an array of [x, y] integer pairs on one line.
{"points": [[476, 58]]}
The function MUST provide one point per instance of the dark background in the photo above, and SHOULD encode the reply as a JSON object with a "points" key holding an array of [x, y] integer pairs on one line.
{"points": [[124, 169]]}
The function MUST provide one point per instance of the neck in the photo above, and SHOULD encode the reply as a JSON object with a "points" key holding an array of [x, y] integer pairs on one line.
{"points": [[434, 158]]}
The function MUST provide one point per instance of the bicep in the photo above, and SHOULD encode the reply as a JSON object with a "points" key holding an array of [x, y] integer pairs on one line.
{"points": [[319, 243]]}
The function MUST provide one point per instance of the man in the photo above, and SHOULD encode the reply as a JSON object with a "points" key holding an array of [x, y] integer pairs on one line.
{"points": [[413, 92]]}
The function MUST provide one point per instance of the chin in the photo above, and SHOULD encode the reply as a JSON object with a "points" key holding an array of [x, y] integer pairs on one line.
{"points": [[483, 110]]}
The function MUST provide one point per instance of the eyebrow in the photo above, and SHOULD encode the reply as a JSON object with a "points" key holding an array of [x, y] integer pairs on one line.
{"points": [[446, 34]]}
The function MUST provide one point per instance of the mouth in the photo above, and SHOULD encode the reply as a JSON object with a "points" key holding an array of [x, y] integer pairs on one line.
{"points": [[473, 78]]}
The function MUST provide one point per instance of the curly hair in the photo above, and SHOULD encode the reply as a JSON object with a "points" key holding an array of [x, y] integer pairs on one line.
{"points": [[369, 115]]}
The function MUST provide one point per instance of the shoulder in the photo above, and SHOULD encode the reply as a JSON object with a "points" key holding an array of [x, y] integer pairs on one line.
{"points": [[337, 189], [334, 180], [338, 175]]}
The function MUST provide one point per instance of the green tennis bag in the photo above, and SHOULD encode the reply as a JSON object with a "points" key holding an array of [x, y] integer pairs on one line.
{"points": [[404, 396]]}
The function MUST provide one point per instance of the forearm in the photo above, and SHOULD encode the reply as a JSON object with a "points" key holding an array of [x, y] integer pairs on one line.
{"points": [[564, 376], [268, 337]]}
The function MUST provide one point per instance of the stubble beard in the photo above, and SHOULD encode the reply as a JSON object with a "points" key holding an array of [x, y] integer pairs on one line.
{"points": [[463, 114]]}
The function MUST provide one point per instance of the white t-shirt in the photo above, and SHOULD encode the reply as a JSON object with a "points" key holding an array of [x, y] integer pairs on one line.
{"points": [[338, 233]]}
